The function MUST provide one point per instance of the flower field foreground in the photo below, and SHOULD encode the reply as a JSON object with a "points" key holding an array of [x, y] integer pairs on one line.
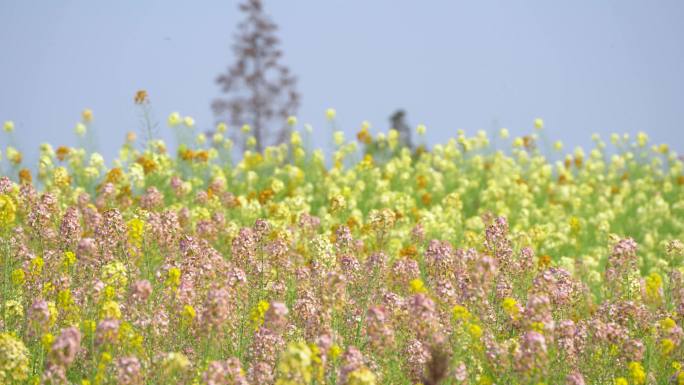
{"points": [[463, 264]]}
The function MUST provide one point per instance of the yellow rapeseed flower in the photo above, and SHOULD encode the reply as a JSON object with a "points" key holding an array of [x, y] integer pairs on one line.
{"points": [[558, 145], [64, 299], [217, 138], [335, 351], [87, 115], [475, 331], [61, 177], [14, 359], [136, 228], [258, 313], [8, 126], [642, 139], [575, 225], [338, 137], [80, 129], [114, 274], [89, 326], [637, 373], [362, 376], [174, 119], [188, 314], [18, 277], [8, 211], [295, 138], [69, 259], [14, 308], [174, 362], [46, 340], [510, 306], [189, 122], [654, 285], [173, 278], [140, 97], [295, 364], [110, 309], [37, 264], [663, 148], [417, 286], [538, 327], [460, 313], [667, 346], [667, 324]]}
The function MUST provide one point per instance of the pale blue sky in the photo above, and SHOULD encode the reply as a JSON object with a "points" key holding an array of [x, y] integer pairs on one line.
{"points": [[584, 66]]}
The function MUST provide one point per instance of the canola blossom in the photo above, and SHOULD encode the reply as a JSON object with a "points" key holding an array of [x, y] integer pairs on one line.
{"points": [[478, 261]]}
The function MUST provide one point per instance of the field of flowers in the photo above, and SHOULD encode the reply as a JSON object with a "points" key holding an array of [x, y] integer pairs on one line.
{"points": [[483, 260]]}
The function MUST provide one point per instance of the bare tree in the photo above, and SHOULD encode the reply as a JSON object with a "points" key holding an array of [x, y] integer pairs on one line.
{"points": [[259, 90]]}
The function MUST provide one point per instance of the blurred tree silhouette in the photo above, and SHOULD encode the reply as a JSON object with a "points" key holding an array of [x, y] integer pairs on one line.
{"points": [[259, 90], [398, 122]]}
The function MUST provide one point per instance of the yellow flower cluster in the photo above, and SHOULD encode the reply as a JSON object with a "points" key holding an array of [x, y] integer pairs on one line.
{"points": [[8, 211], [14, 359], [258, 313], [300, 364]]}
